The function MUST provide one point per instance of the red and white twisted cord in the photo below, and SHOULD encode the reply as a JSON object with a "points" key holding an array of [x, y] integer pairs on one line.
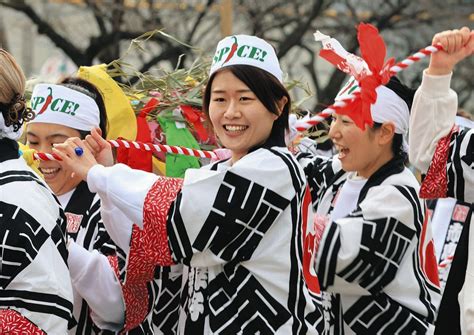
{"points": [[163, 148], [302, 125], [140, 146], [42, 156], [419, 55]]}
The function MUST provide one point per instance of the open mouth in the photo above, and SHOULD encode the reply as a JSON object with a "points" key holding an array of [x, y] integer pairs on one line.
{"points": [[49, 173], [235, 128], [343, 151]]}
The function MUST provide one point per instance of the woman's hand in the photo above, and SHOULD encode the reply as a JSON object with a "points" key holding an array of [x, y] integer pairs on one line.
{"points": [[100, 148], [69, 153], [457, 44]]}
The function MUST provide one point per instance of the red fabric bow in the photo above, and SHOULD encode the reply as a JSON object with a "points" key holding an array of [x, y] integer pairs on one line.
{"points": [[135, 158], [193, 115], [373, 51]]}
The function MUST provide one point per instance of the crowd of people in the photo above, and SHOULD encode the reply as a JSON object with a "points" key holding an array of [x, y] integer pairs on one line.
{"points": [[265, 241]]}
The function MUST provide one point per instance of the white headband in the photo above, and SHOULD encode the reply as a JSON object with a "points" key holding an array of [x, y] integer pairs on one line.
{"points": [[61, 105], [389, 107], [246, 50]]}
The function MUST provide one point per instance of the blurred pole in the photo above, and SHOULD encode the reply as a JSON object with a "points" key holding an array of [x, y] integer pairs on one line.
{"points": [[27, 49], [3, 35], [226, 17]]}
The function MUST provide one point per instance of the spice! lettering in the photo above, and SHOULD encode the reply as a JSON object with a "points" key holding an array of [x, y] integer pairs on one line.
{"points": [[64, 106], [243, 51]]}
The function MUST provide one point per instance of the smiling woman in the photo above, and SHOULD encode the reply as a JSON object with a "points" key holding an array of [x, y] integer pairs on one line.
{"points": [[41, 137], [370, 243], [235, 224], [71, 109], [246, 115]]}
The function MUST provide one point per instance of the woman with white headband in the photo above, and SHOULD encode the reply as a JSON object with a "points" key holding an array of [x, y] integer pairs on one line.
{"points": [[370, 244], [72, 108], [235, 224], [445, 153], [35, 289]]}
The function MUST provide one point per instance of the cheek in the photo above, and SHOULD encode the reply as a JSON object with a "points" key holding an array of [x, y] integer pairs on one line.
{"points": [[366, 149], [213, 116], [268, 120], [263, 129]]}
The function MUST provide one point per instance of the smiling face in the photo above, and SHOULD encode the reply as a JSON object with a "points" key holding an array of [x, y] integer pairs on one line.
{"points": [[361, 151], [239, 118], [41, 137]]}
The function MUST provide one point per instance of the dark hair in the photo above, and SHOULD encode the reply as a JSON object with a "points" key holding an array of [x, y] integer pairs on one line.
{"points": [[268, 90], [404, 92], [397, 144], [87, 88]]}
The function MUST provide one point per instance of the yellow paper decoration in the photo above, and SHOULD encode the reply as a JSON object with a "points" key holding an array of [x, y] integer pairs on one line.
{"points": [[159, 167], [120, 115], [29, 159]]}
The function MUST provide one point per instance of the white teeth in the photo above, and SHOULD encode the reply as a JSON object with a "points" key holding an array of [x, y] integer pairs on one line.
{"points": [[235, 128], [49, 171], [342, 151]]}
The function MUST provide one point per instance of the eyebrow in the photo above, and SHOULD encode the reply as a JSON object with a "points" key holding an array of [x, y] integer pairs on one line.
{"points": [[238, 91]]}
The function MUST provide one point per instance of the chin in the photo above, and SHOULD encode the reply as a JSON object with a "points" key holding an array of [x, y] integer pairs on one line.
{"points": [[348, 168]]}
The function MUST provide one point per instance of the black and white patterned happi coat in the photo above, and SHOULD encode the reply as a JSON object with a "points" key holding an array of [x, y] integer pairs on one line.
{"points": [[449, 231], [162, 306], [376, 266], [86, 227], [460, 166], [34, 278], [239, 230], [451, 174]]}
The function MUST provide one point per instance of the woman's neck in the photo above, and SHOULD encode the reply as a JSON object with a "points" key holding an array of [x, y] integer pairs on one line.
{"points": [[380, 161]]}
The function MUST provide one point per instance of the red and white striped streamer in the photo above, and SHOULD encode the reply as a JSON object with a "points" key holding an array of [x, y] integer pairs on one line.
{"points": [[141, 146], [423, 53], [302, 125], [163, 148], [41, 156]]}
